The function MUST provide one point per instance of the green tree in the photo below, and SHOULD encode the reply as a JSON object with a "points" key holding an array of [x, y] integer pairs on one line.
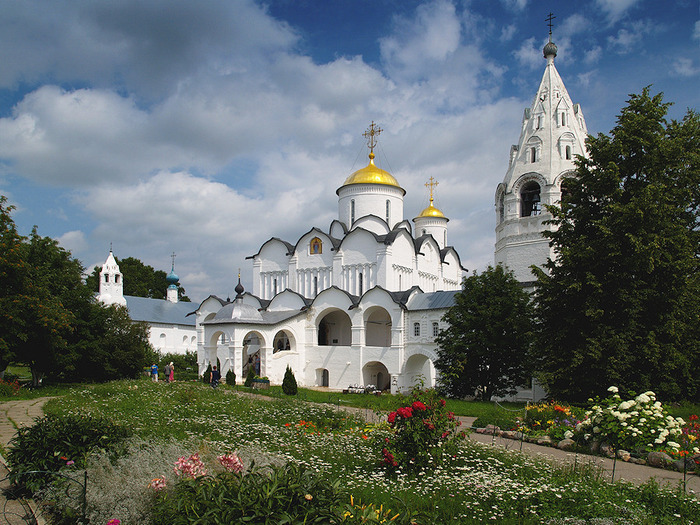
{"points": [[140, 280], [13, 281], [289, 382], [484, 350], [619, 304]]}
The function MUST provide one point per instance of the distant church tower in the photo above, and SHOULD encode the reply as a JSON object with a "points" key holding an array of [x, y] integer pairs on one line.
{"points": [[111, 282], [172, 278], [553, 133]]}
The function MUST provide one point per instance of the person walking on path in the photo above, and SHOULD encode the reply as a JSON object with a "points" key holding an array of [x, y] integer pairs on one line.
{"points": [[166, 373], [215, 377], [154, 372], [171, 377]]}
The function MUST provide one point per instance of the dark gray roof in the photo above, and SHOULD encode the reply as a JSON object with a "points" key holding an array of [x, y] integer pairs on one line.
{"points": [[432, 300], [268, 318], [160, 311]]}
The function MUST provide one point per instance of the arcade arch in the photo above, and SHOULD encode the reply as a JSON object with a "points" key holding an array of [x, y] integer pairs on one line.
{"points": [[335, 329]]}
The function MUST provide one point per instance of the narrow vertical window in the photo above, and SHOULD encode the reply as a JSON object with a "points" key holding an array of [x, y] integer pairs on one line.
{"points": [[315, 286], [388, 209], [360, 283], [533, 154], [106, 277], [352, 212], [568, 153], [116, 278], [416, 329], [275, 287], [400, 288], [539, 122], [436, 329]]}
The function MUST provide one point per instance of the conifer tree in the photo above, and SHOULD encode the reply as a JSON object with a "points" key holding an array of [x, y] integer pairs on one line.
{"points": [[289, 383], [619, 302]]}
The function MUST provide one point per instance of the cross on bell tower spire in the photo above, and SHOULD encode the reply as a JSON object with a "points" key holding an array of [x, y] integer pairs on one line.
{"points": [[549, 20]]}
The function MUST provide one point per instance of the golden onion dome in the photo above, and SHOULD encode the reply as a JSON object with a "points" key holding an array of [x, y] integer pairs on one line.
{"points": [[371, 174], [431, 211]]}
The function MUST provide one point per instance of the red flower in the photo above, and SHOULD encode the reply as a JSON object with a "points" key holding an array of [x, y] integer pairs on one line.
{"points": [[442, 402], [392, 417], [445, 434], [693, 417], [450, 415], [428, 424], [417, 405], [405, 412]]}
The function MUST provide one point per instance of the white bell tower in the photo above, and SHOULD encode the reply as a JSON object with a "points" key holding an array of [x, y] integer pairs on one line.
{"points": [[553, 132], [111, 282]]}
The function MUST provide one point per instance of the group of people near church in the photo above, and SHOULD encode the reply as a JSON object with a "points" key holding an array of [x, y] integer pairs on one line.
{"points": [[168, 372]]}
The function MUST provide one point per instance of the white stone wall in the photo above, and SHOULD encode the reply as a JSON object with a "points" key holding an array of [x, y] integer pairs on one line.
{"points": [[176, 339], [370, 199]]}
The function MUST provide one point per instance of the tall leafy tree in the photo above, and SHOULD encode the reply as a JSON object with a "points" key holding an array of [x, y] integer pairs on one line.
{"points": [[484, 351], [140, 280], [619, 302]]}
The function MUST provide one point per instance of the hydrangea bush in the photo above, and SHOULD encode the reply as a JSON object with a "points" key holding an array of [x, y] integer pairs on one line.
{"points": [[421, 433], [640, 424]]}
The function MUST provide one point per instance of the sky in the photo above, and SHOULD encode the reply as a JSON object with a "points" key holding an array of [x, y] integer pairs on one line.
{"points": [[205, 128]]}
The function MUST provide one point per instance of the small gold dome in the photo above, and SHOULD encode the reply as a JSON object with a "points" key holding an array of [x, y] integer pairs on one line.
{"points": [[371, 174], [431, 211]]}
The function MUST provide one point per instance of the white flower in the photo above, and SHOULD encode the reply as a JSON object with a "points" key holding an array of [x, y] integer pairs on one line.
{"points": [[673, 444], [613, 389], [642, 398], [568, 434]]}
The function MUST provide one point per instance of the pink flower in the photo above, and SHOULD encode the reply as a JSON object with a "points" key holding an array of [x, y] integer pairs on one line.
{"points": [[191, 467], [69, 463], [114, 522], [231, 462], [156, 484], [417, 405]]}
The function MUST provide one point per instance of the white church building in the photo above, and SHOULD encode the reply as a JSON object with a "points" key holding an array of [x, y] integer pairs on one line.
{"points": [[171, 323], [357, 304]]}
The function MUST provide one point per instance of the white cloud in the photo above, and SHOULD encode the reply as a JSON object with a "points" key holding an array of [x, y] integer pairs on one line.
{"points": [[685, 67], [419, 45], [515, 5], [696, 32], [593, 55], [614, 10], [528, 54], [573, 25], [74, 241], [507, 33], [625, 41]]}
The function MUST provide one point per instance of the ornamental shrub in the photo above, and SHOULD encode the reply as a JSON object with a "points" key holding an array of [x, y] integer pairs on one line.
{"points": [[289, 383], [9, 388], [422, 432], [557, 420], [287, 494], [231, 377], [54, 442], [640, 424], [249, 378], [207, 374]]}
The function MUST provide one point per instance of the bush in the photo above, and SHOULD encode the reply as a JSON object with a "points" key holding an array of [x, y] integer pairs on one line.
{"points": [[231, 378], [9, 388], [55, 442], [557, 420], [640, 424], [288, 494], [289, 383], [422, 432], [207, 374], [249, 378]]}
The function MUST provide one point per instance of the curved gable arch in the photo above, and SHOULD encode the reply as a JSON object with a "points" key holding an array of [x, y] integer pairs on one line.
{"points": [[286, 300], [531, 176]]}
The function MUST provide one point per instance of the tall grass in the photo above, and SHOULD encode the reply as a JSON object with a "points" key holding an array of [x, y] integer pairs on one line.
{"points": [[477, 485]]}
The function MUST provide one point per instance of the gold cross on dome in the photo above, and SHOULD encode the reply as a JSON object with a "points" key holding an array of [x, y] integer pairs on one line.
{"points": [[431, 185], [371, 135]]}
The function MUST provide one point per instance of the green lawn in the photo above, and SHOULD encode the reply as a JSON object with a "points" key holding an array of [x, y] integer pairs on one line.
{"points": [[478, 485]]}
